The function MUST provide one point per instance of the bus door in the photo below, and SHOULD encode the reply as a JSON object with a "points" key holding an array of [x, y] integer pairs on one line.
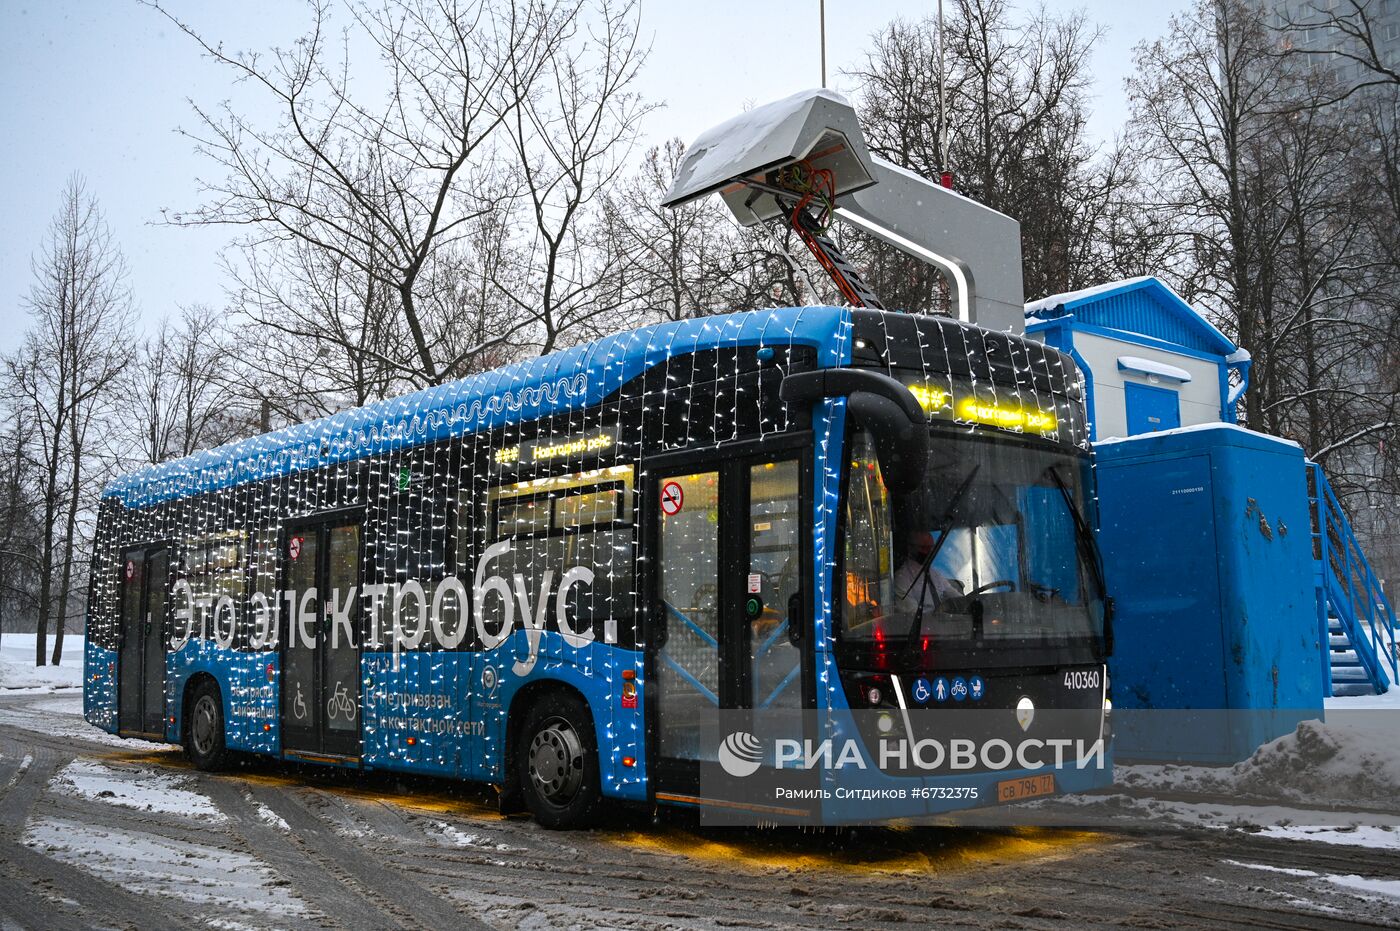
{"points": [[320, 639], [727, 604], [141, 677]]}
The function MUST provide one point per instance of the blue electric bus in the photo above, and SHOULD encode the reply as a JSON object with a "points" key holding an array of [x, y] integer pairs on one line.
{"points": [[552, 577]]}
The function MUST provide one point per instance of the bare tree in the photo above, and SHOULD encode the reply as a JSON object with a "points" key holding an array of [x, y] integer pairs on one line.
{"points": [[62, 376], [333, 336], [689, 261], [1015, 111], [19, 521], [1269, 190], [179, 376], [382, 186], [1353, 47], [572, 131], [1203, 99]]}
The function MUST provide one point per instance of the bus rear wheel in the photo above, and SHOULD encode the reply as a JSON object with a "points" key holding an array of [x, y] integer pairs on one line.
{"points": [[204, 741], [557, 757]]}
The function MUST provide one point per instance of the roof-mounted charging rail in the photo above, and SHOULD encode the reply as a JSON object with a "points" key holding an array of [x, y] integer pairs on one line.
{"points": [[803, 161]]}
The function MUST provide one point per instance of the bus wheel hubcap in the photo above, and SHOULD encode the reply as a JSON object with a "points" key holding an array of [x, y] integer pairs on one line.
{"points": [[556, 761], [203, 725]]}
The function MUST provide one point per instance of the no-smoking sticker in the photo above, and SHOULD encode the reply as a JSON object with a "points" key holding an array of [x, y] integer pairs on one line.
{"points": [[672, 498], [294, 547], [130, 570]]}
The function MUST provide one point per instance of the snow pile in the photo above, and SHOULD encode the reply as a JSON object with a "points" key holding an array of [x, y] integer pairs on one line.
{"points": [[17, 669], [1353, 758], [143, 790], [1350, 762]]}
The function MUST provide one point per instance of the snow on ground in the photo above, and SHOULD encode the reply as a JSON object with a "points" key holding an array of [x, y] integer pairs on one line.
{"points": [[62, 716], [268, 816], [156, 866], [1356, 835], [1366, 887], [141, 789], [1353, 757], [18, 672], [448, 834], [1367, 829], [1389, 701], [1334, 783]]}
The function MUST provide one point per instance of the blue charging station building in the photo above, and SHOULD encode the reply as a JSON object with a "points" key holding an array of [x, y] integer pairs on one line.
{"points": [[1231, 601], [1150, 361]]}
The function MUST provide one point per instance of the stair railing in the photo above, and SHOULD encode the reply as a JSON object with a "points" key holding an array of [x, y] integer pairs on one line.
{"points": [[1348, 588]]}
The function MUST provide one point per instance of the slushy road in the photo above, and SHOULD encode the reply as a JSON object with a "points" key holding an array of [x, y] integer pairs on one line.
{"points": [[99, 832]]}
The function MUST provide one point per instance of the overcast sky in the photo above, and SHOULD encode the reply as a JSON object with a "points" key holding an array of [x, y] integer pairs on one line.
{"points": [[99, 87]]}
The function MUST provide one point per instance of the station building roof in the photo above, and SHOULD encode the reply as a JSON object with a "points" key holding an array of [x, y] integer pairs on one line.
{"points": [[1132, 308]]}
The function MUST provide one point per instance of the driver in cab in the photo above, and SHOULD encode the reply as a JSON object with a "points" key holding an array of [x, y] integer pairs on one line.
{"points": [[917, 583]]}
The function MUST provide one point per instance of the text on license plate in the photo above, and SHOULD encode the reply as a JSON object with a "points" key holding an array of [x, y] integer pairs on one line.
{"points": [[1031, 786]]}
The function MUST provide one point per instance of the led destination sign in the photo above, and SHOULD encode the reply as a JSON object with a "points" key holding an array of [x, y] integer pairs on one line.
{"points": [[963, 405], [548, 449]]}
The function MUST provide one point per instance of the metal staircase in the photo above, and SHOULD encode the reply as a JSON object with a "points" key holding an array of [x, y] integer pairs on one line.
{"points": [[1354, 616]]}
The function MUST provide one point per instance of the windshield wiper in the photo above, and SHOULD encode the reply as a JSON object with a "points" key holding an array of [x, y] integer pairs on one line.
{"points": [[1084, 539], [944, 529]]}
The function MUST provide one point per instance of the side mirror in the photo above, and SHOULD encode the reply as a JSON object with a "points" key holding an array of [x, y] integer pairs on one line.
{"points": [[882, 406]]}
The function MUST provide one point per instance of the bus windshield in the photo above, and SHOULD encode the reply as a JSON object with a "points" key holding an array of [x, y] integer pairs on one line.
{"points": [[991, 550]]}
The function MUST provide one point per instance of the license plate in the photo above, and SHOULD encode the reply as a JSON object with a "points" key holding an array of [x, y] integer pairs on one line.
{"points": [[1013, 790]]}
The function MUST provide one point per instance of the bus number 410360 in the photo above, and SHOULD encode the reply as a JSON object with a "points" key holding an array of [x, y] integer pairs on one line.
{"points": [[1082, 679]]}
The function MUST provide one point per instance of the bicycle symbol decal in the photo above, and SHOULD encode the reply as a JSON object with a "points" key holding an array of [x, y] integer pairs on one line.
{"points": [[341, 703]]}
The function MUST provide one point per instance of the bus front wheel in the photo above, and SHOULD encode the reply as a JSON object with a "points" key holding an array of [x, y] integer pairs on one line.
{"points": [[558, 763], [205, 735]]}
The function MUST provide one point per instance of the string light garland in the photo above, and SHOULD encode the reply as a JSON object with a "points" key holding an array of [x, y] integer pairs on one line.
{"points": [[484, 537]]}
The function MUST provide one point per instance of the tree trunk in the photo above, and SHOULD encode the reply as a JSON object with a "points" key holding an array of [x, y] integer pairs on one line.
{"points": [[70, 533]]}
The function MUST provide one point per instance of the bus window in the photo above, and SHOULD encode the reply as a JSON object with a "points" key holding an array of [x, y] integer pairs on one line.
{"points": [[214, 567], [775, 569], [868, 543], [688, 579], [521, 515], [586, 508], [554, 524]]}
